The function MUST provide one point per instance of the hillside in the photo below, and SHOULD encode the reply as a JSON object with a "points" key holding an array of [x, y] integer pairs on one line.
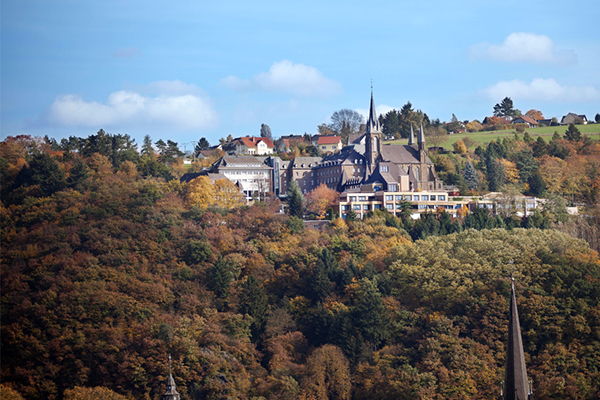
{"points": [[106, 270]]}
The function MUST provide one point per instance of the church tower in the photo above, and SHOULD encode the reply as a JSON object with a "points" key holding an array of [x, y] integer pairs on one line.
{"points": [[423, 168], [171, 392], [515, 385], [373, 138]]}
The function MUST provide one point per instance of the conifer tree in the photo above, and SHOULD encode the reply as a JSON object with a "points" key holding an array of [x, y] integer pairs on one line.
{"points": [[295, 200], [253, 301], [471, 176], [220, 279], [370, 315]]}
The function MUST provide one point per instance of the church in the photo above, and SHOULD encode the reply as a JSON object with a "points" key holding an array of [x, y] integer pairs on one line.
{"points": [[367, 161]]}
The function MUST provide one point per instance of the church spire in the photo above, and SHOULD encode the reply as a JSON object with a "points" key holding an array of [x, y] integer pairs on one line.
{"points": [[411, 138], [515, 386], [421, 136], [171, 392], [373, 125]]}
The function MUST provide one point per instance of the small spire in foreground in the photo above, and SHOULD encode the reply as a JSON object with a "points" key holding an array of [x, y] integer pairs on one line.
{"points": [[171, 392], [516, 386]]}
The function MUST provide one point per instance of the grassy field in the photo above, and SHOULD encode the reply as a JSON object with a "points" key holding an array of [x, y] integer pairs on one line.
{"points": [[591, 130]]}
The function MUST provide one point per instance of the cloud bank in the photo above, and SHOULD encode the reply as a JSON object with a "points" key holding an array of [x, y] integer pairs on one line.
{"points": [[287, 77], [543, 90], [178, 105], [524, 47]]}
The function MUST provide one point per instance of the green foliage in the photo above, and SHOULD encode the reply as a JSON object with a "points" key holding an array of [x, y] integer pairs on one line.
{"points": [[471, 176], [197, 252], [573, 134], [505, 108], [295, 200], [253, 301]]}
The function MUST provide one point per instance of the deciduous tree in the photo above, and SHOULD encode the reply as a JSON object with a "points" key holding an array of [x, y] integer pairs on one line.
{"points": [[321, 199], [200, 192], [227, 194]]}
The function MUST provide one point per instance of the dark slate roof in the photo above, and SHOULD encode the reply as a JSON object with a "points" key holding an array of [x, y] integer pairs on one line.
{"points": [[402, 154], [308, 162]]}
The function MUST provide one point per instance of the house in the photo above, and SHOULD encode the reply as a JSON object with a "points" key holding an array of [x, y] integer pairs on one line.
{"points": [[289, 141], [572, 118], [249, 145], [327, 143], [524, 119], [251, 174]]}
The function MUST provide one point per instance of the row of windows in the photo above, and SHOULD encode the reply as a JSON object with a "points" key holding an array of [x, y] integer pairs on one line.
{"points": [[408, 197]]}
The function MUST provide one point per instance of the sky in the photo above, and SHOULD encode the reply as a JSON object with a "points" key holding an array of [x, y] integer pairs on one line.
{"points": [[182, 70]]}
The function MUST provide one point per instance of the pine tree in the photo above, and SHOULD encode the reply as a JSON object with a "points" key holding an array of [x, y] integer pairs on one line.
{"points": [[471, 176], [370, 315], [220, 279], [295, 200], [253, 301], [572, 134]]}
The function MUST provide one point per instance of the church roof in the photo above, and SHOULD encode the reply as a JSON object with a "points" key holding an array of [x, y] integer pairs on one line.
{"points": [[421, 134], [411, 138], [402, 154]]}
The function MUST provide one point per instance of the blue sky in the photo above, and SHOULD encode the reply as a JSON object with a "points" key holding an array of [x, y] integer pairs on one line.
{"points": [[183, 70]]}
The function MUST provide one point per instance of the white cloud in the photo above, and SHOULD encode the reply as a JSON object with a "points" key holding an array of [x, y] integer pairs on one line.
{"points": [[524, 47], [175, 107], [287, 77], [543, 90]]}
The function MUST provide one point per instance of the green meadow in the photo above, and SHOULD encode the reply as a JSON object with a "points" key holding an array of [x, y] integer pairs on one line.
{"points": [[591, 130]]}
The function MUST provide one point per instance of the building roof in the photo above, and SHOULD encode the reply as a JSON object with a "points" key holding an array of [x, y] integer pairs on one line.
{"points": [[251, 141], [527, 119], [237, 162], [402, 154], [305, 162], [329, 139]]}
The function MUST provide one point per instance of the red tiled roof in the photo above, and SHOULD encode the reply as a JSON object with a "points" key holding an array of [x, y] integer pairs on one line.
{"points": [[251, 141], [329, 139], [527, 119]]}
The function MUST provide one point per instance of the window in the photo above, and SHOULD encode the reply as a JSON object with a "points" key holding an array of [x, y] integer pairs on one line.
{"points": [[398, 198], [389, 197], [352, 198], [296, 173], [432, 197], [312, 182], [442, 198], [366, 207], [389, 206], [323, 147], [393, 188], [360, 161], [398, 206], [409, 197], [424, 197], [377, 188], [344, 208], [384, 168], [377, 206], [362, 198], [356, 207]]}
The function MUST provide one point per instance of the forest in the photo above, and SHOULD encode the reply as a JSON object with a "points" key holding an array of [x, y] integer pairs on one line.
{"points": [[108, 267]]}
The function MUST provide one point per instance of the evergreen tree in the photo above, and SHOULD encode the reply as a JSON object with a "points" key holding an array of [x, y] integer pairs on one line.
{"points": [[370, 315], [253, 301], [391, 124], [201, 145], [147, 149], [78, 174], [495, 174], [539, 147], [43, 170], [320, 285], [505, 108], [471, 176], [295, 200], [220, 278], [572, 134]]}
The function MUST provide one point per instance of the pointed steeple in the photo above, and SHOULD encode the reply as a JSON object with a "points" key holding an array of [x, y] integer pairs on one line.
{"points": [[421, 135], [411, 138], [171, 392], [373, 125], [516, 385]]}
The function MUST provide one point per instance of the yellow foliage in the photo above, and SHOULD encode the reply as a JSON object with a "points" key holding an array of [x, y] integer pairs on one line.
{"points": [[227, 194], [510, 170], [460, 147], [200, 192], [321, 199], [7, 393]]}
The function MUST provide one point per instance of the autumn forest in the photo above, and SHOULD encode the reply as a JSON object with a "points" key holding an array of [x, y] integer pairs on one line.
{"points": [[110, 263]]}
